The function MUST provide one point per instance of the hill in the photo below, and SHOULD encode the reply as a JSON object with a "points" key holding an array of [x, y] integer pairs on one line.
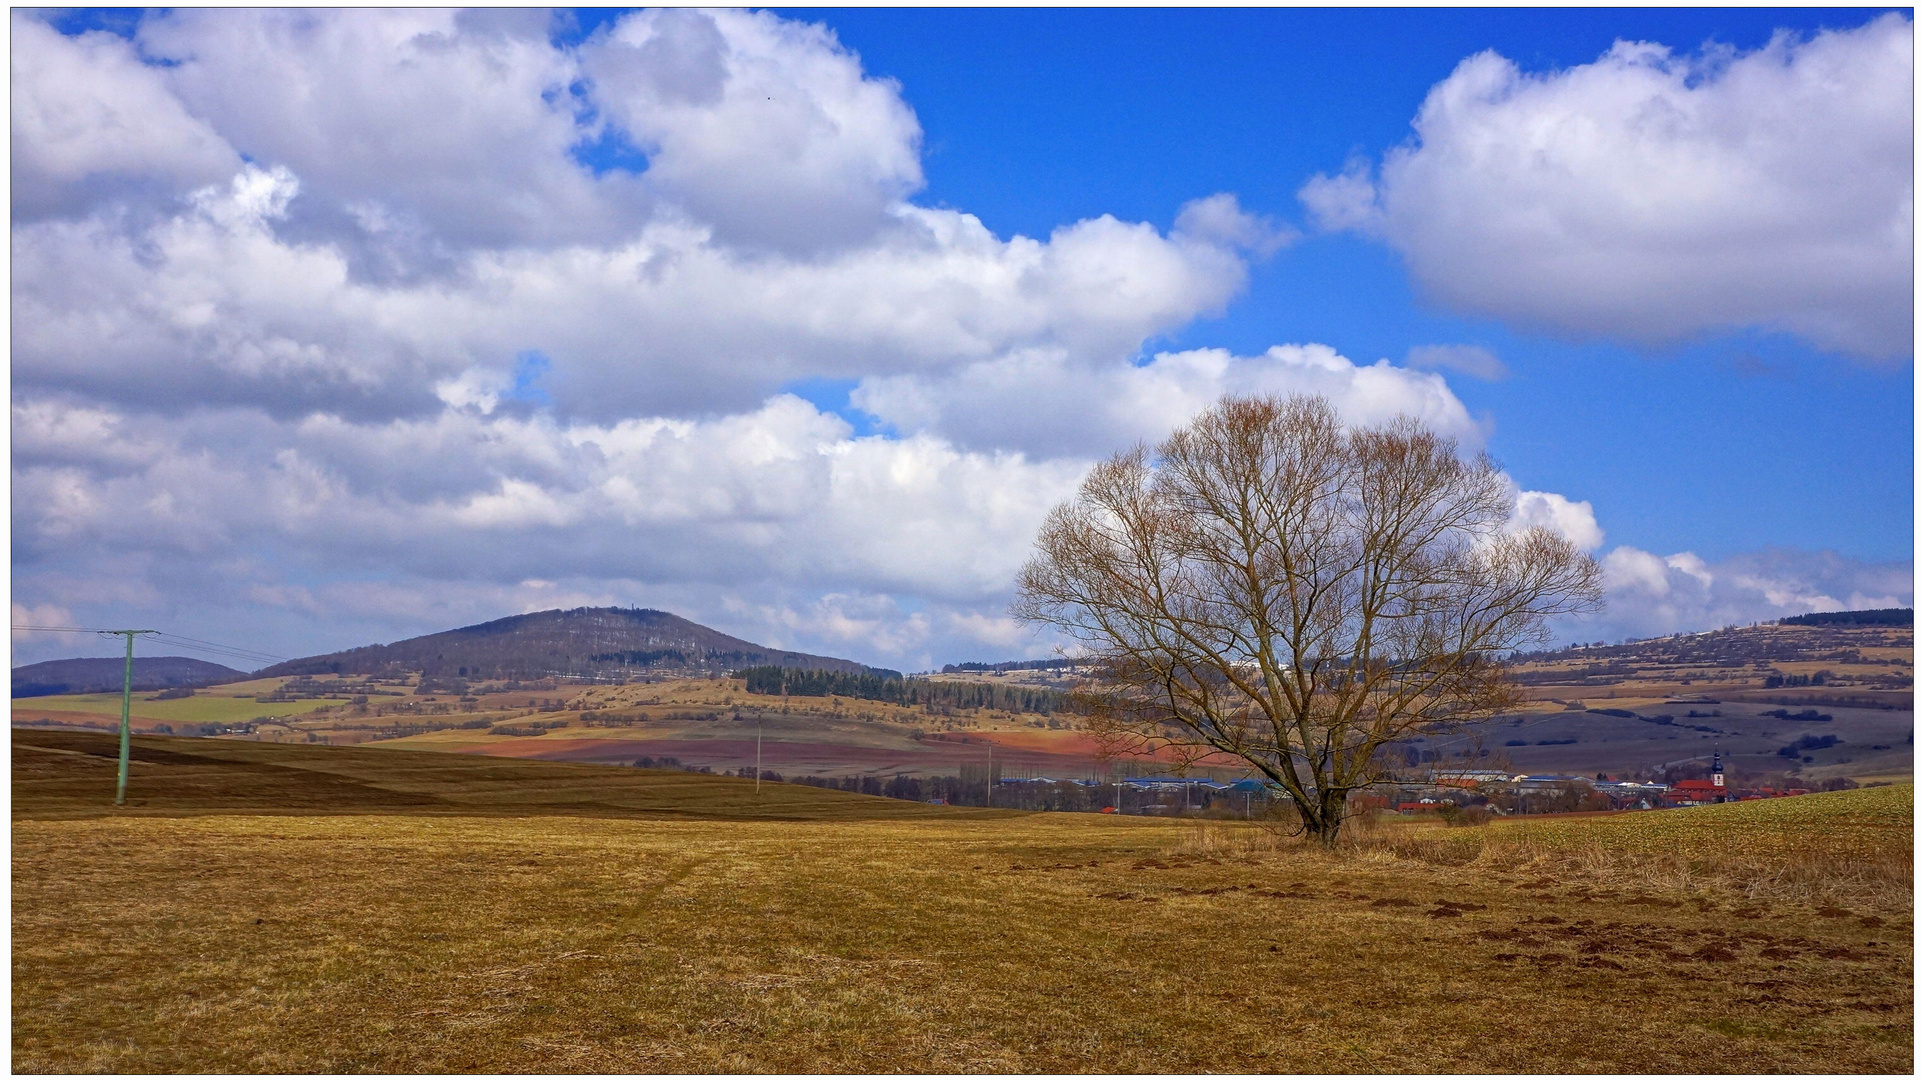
{"points": [[1873, 617], [103, 674], [593, 643], [1766, 696], [1842, 662]]}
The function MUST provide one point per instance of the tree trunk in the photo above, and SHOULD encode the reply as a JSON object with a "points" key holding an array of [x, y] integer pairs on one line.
{"points": [[1325, 826]]}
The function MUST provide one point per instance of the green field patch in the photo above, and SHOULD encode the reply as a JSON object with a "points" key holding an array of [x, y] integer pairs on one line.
{"points": [[200, 709]]}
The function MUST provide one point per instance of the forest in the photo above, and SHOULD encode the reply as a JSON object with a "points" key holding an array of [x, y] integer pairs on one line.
{"points": [[798, 682]]}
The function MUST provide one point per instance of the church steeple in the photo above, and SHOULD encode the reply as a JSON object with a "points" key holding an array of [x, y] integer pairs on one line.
{"points": [[1715, 774]]}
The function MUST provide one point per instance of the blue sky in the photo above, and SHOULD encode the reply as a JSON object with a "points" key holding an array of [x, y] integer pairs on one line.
{"points": [[1035, 119], [342, 326]]}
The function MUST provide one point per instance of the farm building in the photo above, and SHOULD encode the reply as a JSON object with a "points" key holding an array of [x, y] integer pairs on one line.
{"points": [[1467, 777]]}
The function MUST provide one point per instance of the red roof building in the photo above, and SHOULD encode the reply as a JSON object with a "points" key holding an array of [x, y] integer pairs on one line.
{"points": [[1698, 792]]}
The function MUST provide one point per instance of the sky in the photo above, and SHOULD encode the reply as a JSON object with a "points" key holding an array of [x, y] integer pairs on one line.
{"points": [[343, 326]]}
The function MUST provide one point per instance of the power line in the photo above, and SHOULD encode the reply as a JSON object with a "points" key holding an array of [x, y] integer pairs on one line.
{"points": [[236, 651], [180, 641]]}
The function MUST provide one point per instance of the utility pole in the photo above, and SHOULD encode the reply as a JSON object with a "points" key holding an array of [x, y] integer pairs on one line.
{"points": [[757, 757], [990, 774], [126, 713]]}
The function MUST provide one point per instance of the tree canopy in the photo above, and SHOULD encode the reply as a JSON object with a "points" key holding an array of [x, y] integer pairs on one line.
{"points": [[1272, 585]]}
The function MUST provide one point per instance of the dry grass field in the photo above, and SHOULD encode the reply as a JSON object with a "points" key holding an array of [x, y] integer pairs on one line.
{"points": [[561, 919]]}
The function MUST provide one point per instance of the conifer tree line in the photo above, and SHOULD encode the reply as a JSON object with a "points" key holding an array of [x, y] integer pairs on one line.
{"points": [[799, 682]]}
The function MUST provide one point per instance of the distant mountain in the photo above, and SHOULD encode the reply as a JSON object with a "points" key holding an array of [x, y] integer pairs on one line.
{"points": [[581, 642], [99, 675]]}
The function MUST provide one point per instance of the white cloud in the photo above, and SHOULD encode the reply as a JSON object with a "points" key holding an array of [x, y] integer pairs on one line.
{"points": [[781, 502], [414, 221], [1653, 197], [440, 128], [1045, 402], [764, 128], [41, 615], [413, 364], [1557, 513], [1219, 220], [1650, 595], [90, 121], [1470, 360], [779, 522], [212, 304]]}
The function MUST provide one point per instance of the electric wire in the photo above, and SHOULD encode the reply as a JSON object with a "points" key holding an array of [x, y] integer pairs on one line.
{"points": [[178, 641], [237, 651]]}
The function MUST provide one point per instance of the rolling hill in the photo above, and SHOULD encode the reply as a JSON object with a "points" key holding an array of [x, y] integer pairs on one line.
{"points": [[600, 643], [103, 674]]}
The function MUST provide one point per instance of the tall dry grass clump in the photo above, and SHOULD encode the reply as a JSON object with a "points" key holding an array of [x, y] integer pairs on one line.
{"points": [[1834, 847]]}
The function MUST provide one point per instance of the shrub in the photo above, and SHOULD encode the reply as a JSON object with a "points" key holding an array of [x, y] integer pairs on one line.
{"points": [[1806, 743], [1466, 816]]}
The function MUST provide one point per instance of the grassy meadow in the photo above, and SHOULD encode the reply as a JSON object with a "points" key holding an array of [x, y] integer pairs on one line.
{"points": [[575, 918], [202, 708]]}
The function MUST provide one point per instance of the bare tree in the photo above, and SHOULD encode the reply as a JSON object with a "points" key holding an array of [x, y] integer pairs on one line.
{"points": [[1272, 586]]}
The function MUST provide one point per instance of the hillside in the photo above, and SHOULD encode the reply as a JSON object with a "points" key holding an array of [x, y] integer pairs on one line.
{"points": [[1833, 661], [1786, 705], [102, 674], [594, 643]]}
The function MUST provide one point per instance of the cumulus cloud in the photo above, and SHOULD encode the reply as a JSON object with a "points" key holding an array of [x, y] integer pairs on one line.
{"points": [[1219, 220], [1045, 402], [782, 500], [430, 126], [1470, 360], [763, 128], [778, 521], [212, 304], [1653, 196], [336, 326], [1650, 595], [90, 121], [1558, 514], [415, 216]]}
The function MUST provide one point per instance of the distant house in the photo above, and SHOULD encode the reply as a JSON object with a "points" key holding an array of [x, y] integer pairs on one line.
{"points": [[1538, 783], [1627, 787], [1696, 793], [1467, 777], [1162, 783]]}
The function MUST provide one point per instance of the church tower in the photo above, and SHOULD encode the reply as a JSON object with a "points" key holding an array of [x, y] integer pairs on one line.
{"points": [[1720, 779]]}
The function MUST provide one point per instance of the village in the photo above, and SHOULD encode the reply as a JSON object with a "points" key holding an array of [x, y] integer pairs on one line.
{"points": [[1458, 796]]}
